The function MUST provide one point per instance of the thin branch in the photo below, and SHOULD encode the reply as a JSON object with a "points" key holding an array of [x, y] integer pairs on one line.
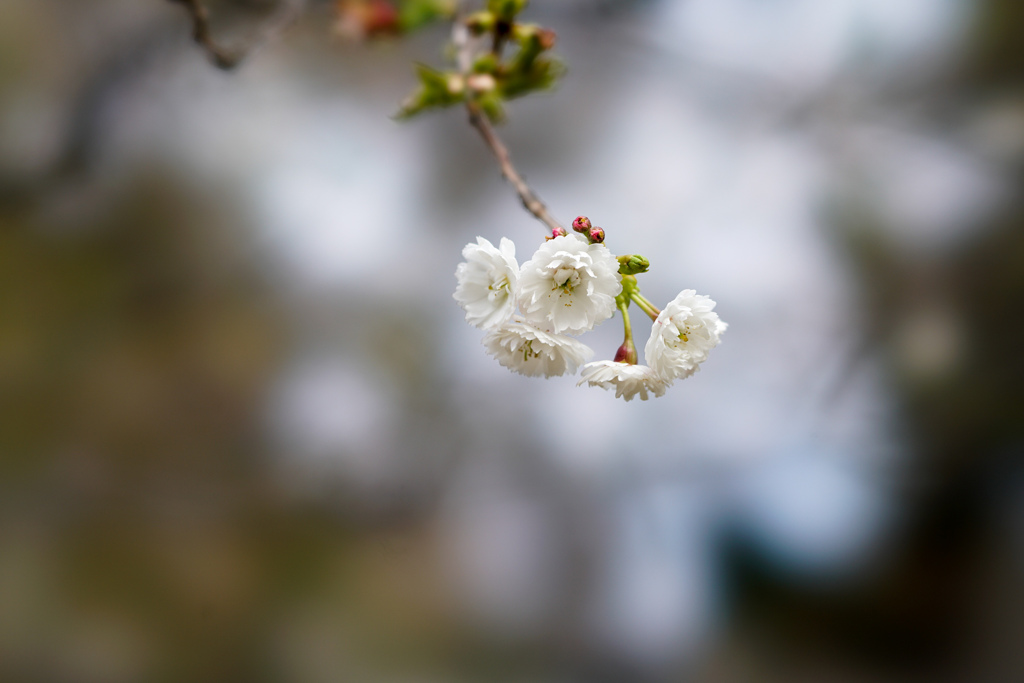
{"points": [[225, 58], [477, 119]]}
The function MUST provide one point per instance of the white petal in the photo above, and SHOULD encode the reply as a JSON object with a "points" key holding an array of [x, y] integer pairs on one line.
{"points": [[487, 282], [569, 285], [530, 351], [627, 380], [683, 334]]}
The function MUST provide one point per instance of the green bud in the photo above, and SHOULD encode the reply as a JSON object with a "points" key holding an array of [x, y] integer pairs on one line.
{"points": [[632, 264], [480, 23], [526, 33], [533, 40]]}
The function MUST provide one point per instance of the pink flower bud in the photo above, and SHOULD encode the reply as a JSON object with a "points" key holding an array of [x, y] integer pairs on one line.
{"points": [[581, 224], [626, 353], [596, 235], [557, 232]]}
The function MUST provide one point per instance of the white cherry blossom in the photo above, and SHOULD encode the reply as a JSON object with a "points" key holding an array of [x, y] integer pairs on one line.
{"points": [[683, 334], [530, 351], [569, 285], [487, 282], [628, 380]]}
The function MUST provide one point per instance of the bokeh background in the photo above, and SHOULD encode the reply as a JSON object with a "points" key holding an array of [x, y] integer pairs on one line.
{"points": [[246, 435]]}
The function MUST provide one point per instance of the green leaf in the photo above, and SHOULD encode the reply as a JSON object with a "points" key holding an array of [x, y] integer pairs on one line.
{"points": [[437, 89], [542, 74]]}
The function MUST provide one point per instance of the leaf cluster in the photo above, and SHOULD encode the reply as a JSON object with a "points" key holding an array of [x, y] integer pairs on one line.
{"points": [[493, 78]]}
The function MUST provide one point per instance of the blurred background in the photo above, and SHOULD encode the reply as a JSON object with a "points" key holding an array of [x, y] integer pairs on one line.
{"points": [[246, 434]]}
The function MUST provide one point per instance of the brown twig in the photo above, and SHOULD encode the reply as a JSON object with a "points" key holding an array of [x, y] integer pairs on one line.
{"points": [[222, 57], [477, 119]]}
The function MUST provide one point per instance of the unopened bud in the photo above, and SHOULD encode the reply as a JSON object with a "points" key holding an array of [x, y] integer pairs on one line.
{"points": [[581, 224], [626, 353], [631, 264], [480, 22], [557, 232], [546, 38], [456, 84], [596, 235], [481, 82]]}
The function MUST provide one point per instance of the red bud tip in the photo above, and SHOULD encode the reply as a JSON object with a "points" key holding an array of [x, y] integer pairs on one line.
{"points": [[626, 353], [546, 37], [581, 224], [557, 232], [596, 235]]}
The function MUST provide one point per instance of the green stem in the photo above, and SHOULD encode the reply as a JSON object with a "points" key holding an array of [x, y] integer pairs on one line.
{"points": [[645, 305], [624, 307], [626, 352]]}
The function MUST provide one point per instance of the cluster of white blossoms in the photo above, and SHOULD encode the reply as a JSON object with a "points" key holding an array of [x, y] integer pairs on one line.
{"points": [[571, 284]]}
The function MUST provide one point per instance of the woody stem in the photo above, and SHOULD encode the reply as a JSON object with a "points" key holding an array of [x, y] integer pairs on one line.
{"points": [[479, 121]]}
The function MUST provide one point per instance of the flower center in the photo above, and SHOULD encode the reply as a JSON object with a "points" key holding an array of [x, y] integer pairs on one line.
{"points": [[684, 331], [528, 351], [498, 289], [566, 279]]}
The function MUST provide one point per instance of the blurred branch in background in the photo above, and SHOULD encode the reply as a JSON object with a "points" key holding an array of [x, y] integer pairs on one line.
{"points": [[228, 58]]}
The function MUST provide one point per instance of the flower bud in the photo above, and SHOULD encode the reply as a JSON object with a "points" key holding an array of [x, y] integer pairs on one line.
{"points": [[546, 37], [557, 232], [626, 353], [481, 82], [456, 84], [480, 23], [631, 264], [596, 235], [581, 224]]}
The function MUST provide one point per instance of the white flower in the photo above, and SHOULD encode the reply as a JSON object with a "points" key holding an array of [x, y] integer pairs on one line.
{"points": [[627, 380], [487, 282], [683, 334], [523, 348], [569, 285]]}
